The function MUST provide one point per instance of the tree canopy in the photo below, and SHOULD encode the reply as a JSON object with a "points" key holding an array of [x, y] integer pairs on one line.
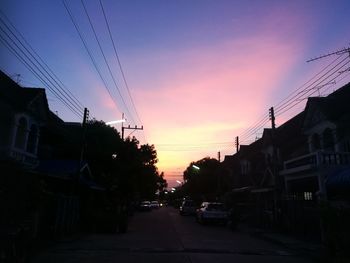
{"points": [[124, 165]]}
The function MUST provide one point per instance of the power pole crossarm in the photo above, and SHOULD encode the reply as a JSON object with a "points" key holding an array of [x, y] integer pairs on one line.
{"points": [[130, 128]]}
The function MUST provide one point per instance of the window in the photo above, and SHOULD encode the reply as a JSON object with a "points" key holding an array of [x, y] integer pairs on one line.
{"points": [[315, 142], [328, 140], [21, 133], [245, 167], [32, 139], [308, 196]]}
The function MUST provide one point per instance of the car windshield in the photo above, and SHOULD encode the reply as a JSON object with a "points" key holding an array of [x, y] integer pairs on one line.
{"points": [[188, 203], [216, 207]]}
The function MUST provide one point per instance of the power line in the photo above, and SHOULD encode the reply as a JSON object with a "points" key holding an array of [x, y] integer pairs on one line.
{"points": [[88, 51], [310, 92], [30, 68], [313, 84], [290, 101], [104, 57], [51, 71], [119, 63], [53, 88], [38, 65], [319, 73]]}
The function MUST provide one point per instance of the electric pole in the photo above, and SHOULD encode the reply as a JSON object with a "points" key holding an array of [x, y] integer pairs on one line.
{"points": [[219, 156], [272, 118], [85, 119], [130, 128], [237, 144], [275, 165]]}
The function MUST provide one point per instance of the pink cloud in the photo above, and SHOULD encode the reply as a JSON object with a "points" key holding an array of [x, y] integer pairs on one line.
{"points": [[205, 90]]}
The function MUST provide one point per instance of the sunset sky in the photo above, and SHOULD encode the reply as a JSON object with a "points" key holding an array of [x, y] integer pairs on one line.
{"points": [[200, 72]]}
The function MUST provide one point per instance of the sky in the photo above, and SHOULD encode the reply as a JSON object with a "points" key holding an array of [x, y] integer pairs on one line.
{"points": [[199, 72]]}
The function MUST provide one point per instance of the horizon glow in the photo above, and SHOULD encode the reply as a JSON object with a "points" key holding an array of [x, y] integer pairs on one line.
{"points": [[200, 72]]}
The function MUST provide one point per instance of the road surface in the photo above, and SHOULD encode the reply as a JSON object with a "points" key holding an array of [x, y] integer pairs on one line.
{"points": [[164, 236]]}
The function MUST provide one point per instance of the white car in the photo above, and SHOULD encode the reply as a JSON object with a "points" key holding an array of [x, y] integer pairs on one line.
{"points": [[212, 212], [155, 204], [145, 206], [188, 207]]}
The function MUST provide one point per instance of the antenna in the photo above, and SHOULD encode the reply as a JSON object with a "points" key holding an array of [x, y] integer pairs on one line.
{"points": [[338, 52], [17, 76]]}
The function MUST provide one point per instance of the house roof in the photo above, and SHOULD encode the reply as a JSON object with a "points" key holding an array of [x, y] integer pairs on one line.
{"points": [[20, 98], [335, 106], [64, 169]]}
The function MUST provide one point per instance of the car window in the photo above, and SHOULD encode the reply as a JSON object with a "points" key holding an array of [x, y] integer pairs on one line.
{"points": [[216, 207], [189, 203]]}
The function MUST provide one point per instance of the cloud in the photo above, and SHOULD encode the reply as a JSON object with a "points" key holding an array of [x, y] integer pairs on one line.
{"points": [[212, 94]]}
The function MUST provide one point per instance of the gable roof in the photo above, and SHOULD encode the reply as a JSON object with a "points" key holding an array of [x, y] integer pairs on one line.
{"points": [[23, 99], [334, 107], [64, 169]]}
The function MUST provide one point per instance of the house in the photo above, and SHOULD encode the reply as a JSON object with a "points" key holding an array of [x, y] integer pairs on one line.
{"points": [[23, 111], [323, 167], [42, 175], [287, 171]]}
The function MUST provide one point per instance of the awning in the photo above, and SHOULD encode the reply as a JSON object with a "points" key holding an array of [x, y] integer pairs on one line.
{"points": [[339, 180], [242, 189], [262, 190]]}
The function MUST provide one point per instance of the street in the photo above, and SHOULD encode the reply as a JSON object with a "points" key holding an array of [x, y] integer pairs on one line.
{"points": [[163, 235]]}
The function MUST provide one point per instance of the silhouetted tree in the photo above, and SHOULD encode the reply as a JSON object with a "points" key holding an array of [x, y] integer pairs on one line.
{"points": [[122, 165], [209, 181]]}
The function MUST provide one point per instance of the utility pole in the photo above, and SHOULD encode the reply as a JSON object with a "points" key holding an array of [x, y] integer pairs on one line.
{"points": [[237, 144], [275, 165], [130, 128], [272, 118], [219, 156], [85, 119]]}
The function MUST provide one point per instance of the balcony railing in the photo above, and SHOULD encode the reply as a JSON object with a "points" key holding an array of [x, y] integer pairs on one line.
{"points": [[316, 160], [24, 157]]}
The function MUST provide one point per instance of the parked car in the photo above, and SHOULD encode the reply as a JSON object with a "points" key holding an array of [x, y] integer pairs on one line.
{"points": [[154, 204], [145, 206], [188, 207], [212, 212]]}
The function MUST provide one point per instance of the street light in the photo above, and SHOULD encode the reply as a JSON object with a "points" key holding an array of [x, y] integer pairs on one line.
{"points": [[179, 182], [196, 167], [115, 122]]}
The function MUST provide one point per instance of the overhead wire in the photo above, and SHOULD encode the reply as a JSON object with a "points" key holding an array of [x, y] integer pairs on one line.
{"points": [[288, 102], [30, 68], [312, 85], [89, 52], [64, 88], [119, 62], [59, 93], [308, 92], [38, 65], [105, 59], [315, 76], [61, 86]]}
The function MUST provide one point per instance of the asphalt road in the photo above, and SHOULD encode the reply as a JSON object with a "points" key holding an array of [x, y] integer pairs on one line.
{"points": [[164, 236]]}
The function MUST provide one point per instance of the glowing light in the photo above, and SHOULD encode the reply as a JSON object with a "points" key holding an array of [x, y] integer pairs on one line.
{"points": [[115, 122], [196, 167]]}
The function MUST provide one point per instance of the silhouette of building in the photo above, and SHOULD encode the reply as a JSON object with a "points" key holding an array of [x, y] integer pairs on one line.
{"points": [[311, 163], [23, 111]]}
